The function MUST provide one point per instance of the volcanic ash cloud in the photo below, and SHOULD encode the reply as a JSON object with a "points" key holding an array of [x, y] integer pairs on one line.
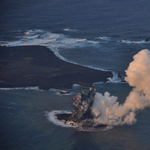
{"points": [[107, 110]]}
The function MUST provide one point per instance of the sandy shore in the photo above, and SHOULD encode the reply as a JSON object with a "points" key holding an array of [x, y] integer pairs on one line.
{"points": [[24, 66]]}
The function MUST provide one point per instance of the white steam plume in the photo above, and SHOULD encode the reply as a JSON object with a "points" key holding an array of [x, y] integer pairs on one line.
{"points": [[107, 110]]}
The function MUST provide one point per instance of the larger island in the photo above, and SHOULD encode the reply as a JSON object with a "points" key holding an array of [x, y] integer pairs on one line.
{"points": [[25, 66]]}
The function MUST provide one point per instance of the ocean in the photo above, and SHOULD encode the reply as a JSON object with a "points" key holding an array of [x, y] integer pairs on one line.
{"points": [[103, 35]]}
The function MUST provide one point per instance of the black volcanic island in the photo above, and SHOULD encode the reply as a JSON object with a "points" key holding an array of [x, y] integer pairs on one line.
{"points": [[82, 115], [25, 66]]}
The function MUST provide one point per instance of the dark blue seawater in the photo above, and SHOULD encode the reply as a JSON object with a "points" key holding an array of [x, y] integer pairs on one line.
{"points": [[102, 34], [24, 124]]}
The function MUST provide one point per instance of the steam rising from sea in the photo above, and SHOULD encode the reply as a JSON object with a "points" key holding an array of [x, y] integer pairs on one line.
{"points": [[108, 111]]}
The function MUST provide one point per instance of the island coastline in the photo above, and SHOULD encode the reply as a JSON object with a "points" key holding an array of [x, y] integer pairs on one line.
{"points": [[25, 66]]}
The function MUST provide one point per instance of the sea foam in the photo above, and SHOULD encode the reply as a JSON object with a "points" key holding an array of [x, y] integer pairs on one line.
{"points": [[22, 88], [133, 42], [54, 42], [51, 116]]}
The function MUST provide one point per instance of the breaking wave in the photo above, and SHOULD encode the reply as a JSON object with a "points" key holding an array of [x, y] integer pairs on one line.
{"points": [[22, 88], [115, 79], [104, 38], [134, 42], [51, 116], [70, 30], [59, 42], [54, 42]]}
